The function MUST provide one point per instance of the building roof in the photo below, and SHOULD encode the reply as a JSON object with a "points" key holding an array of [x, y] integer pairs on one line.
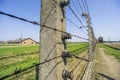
{"points": [[19, 40]]}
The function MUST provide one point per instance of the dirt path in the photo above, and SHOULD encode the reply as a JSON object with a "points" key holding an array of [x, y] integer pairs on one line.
{"points": [[107, 67]]}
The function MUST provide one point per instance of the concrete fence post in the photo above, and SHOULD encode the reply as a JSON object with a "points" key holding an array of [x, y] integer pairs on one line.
{"points": [[52, 15]]}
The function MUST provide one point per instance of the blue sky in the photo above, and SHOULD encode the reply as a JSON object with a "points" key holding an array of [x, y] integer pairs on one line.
{"points": [[105, 15], [11, 28]]}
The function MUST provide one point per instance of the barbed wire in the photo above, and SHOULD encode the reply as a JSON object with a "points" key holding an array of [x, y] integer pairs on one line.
{"points": [[23, 70], [80, 28], [80, 5], [82, 58], [75, 7], [78, 61], [36, 23], [82, 1], [20, 71], [77, 17], [87, 7], [33, 22], [46, 61]]}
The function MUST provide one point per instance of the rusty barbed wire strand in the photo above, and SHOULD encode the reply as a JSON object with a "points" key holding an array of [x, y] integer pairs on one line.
{"points": [[82, 1], [76, 26], [36, 23], [75, 6], [20, 71], [76, 14], [87, 7], [33, 22], [78, 57], [80, 5], [77, 18], [79, 61]]}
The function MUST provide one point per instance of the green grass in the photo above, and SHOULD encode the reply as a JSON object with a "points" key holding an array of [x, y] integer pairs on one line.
{"points": [[9, 65], [10, 51], [111, 51], [9, 45], [77, 48], [10, 68], [10, 61]]}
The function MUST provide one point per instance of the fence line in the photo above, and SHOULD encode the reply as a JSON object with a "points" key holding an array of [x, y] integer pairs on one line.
{"points": [[66, 74], [63, 55]]}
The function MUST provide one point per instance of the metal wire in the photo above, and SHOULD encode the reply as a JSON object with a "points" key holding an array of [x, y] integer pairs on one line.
{"points": [[20, 71], [35, 23], [87, 7], [78, 62], [75, 7], [82, 1], [80, 37], [77, 18], [76, 25], [80, 5], [80, 57], [65, 32]]}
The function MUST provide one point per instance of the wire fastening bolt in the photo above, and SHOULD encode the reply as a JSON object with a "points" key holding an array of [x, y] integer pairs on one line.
{"points": [[64, 3], [66, 54], [67, 75], [66, 36]]}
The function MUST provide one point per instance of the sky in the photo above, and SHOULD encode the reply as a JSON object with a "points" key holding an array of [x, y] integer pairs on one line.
{"points": [[11, 28], [104, 16]]}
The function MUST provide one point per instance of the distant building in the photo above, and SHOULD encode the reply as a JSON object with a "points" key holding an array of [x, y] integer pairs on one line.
{"points": [[100, 39], [25, 41], [2, 42]]}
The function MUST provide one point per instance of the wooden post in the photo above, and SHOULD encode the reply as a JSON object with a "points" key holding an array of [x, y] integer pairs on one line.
{"points": [[52, 15]]}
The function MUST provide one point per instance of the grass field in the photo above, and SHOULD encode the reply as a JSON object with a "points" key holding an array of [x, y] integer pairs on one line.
{"points": [[8, 45], [111, 51], [77, 48], [17, 50], [116, 45], [15, 58]]}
